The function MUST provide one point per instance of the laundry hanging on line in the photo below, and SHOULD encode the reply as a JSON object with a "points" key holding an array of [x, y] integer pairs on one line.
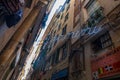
{"points": [[11, 11], [13, 19]]}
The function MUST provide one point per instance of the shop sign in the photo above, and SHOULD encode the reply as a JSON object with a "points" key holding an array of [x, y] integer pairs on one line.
{"points": [[106, 65]]}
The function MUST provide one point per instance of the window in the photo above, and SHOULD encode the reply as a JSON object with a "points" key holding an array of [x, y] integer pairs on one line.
{"points": [[64, 30], [63, 7], [50, 60], [55, 40], [68, 6], [67, 1], [102, 42], [57, 56], [60, 55], [13, 64], [64, 51], [95, 13], [28, 3], [59, 26], [77, 58], [66, 17], [62, 16], [54, 23], [77, 18], [48, 63], [31, 29], [54, 33], [58, 16], [53, 59], [49, 47], [95, 18], [92, 6]]}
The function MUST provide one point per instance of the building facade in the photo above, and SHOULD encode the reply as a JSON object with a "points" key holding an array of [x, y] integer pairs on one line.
{"points": [[18, 40], [82, 42], [54, 58], [97, 39]]}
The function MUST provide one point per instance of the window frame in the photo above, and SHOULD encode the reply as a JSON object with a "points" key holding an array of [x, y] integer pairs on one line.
{"points": [[64, 48], [66, 17], [97, 44], [64, 30]]}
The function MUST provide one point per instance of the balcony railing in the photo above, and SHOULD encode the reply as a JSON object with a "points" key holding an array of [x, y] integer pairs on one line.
{"points": [[95, 18]]}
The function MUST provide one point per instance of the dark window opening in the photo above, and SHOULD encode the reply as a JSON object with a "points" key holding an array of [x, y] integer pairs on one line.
{"points": [[64, 30], [59, 26], [64, 51], [102, 42], [57, 56], [66, 17], [68, 7]]}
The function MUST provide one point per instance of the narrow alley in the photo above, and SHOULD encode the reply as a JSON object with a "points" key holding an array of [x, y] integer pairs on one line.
{"points": [[59, 39]]}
